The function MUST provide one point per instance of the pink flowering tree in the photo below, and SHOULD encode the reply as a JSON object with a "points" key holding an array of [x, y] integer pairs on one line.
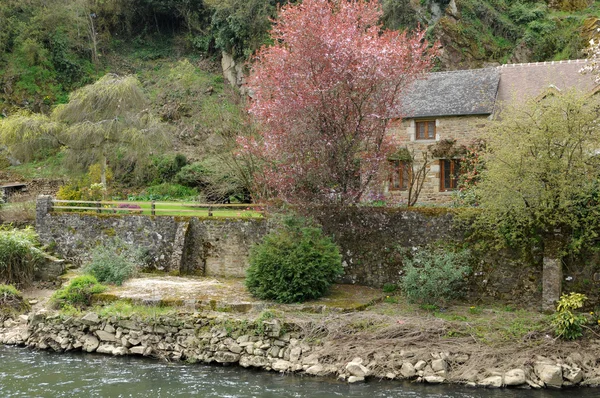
{"points": [[323, 95]]}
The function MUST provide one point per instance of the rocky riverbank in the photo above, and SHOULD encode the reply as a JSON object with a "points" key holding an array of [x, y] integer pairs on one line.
{"points": [[287, 346]]}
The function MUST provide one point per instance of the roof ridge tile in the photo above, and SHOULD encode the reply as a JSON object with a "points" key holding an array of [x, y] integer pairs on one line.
{"points": [[567, 61]]}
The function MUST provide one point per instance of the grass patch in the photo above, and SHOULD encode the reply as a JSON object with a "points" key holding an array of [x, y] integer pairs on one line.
{"points": [[11, 302], [183, 209], [78, 293], [125, 309]]}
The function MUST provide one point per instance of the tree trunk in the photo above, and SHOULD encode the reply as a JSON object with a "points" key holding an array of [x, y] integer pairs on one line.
{"points": [[103, 170]]}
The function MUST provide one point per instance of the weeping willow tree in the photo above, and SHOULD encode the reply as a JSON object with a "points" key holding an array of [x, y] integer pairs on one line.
{"points": [[105, 120], [29, 134], [109, 118]]}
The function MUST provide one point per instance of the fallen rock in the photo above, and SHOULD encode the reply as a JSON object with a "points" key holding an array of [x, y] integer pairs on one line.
{"points": [[420, 365], [139, 350], [226, 357], [120, 351]]}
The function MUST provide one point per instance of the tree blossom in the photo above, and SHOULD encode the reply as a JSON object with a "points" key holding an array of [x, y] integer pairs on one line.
{"points": [[323, 95]]}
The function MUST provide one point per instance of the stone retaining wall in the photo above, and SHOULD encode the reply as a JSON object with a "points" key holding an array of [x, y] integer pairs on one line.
{"points": [[265, 345], [203, 246], [373, 242]]}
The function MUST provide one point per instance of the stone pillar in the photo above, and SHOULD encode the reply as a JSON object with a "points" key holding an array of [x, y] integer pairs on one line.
{"points": [[43, 206], [551, 274], [551, 283]]}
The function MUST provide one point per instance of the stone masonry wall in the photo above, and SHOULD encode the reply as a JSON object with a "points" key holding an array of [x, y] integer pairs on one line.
{"points": [[201, 246], [373, 242], [463, 129]]}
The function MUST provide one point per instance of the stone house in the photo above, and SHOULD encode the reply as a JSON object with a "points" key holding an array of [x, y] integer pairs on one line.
{"points": [[448, 111]]}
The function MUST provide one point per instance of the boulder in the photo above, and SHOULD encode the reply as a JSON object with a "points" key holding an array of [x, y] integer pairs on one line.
{"points": [[355, 379], [105, 348], [439, 365], [317, 370], [514, 377], [434, 379], [356, 369], [226, 357], [281, 365], [105, 336], [120, 351], [408, 370], [90, 343], [139, 350], [90, 319], [420, 365], [491, 382], [572, 374], [550, 375]]}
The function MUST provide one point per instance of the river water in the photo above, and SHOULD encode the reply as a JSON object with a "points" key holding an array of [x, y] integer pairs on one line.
{"points": [[28, 373]]}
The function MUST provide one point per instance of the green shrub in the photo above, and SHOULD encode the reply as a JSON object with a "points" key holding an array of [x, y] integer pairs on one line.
{"points": [[390, 287], [114, 262], [167, 166], [11, 301], [293, 264], [78, 292], [193, 175], [568, 325], [167, 191], [435, 275], [19, 255]]}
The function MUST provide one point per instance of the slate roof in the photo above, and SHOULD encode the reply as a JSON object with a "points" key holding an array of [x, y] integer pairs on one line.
{"points": [[455, 93], [519, 82]]}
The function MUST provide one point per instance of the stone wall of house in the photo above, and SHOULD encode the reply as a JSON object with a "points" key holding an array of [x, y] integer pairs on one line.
{"points": [[463, 129], [202, 246]]}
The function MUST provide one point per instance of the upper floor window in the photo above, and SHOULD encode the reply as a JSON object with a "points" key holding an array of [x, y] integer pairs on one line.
{"points": [[425, 130], [399, 175], [449, 173]]}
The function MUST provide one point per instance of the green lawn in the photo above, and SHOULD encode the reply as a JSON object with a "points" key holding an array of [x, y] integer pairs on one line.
{"points": [[171, 209]]}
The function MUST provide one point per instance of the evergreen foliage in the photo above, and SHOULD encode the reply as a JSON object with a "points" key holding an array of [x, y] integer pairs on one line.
{"points": [[293, 264], [435, 275]]}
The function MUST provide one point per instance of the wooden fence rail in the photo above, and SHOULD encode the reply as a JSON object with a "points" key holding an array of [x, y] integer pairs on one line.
{"points": [[152, 208]]}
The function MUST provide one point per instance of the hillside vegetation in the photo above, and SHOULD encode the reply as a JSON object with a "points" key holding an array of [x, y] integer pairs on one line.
{"points": [[49, 48]]}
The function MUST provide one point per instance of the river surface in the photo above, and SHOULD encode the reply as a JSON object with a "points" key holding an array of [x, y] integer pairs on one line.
{"points": [[28, 373]]}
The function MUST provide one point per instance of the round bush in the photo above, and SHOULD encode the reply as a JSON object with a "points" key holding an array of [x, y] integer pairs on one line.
{"points": [[293, 264]]}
